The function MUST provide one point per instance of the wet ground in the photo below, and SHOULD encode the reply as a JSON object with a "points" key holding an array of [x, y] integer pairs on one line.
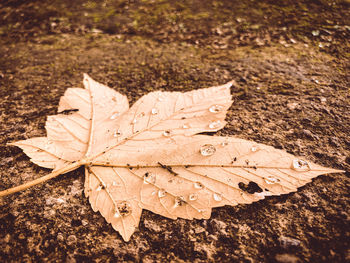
{"points": [[290, 63]]}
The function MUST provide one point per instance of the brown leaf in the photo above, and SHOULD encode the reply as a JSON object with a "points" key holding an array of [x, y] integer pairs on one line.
{"points": [[149, 156]]}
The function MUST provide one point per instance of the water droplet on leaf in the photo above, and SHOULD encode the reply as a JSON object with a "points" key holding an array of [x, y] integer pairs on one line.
{"points": [[193, 197], [117, 133], [254, 148], [300, 165], [214, 124], [198, 185], [271, 180], [124, 208], [161, 193], [179, 201], [115, 115], [216, 108], [217, 197], [207, 150], [149, 178], [154, 111], [167, 133]]}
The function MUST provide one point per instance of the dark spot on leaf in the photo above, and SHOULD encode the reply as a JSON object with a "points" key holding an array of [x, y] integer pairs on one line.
{"points": [[250, 188]]}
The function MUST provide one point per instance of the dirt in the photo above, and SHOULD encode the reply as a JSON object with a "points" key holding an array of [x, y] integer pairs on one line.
{"points": [[290, 63]]}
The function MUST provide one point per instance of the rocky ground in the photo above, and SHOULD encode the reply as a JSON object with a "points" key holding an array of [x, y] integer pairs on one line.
{"points": [[290, 63]]}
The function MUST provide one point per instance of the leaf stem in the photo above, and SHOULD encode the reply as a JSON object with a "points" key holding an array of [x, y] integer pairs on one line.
{"points": [[44, 178]]}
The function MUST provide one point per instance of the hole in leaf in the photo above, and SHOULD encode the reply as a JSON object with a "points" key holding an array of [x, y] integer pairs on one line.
{"points": [[250, 188]]}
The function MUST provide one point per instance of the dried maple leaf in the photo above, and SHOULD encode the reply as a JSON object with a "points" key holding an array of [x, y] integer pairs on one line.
{"points": [[148, 156]]}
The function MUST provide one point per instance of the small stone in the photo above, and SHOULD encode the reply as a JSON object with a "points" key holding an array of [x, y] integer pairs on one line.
{"points": [[60, 237], [71, 239], [323, 99], [292, 105], [315, 33], [287, 242], [308, 133], [287, 258]]}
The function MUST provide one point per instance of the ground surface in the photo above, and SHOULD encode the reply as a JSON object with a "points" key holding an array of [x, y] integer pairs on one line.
{"points": [[290, 61]]}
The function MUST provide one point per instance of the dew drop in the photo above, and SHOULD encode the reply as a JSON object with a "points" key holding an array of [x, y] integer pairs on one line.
{"points": [[114, 183], [198, 185], [193, 197], [254, 148], [141, 115], [116, 214], [114, 115], [166, 133], [154, 111], [207, 150], [99, 188], [271, 180], [216, 108], [214, 124], [300, 165], [117, 133], [185, 126], [161, 193], [217, 197], [179, 201], [149, 178], [124, 208], [134, 121], [161, 97]]}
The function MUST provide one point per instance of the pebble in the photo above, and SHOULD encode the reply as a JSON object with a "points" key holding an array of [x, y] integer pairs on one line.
{"points": [[287, 242], [293, 105], [308, 133], [72, 239], [287, 258]]}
